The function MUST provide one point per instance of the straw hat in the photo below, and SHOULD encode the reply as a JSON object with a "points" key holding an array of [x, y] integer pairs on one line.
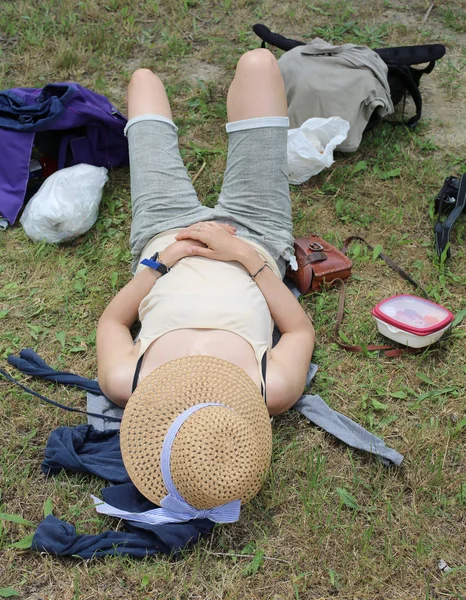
{"points": [[220, 453]]}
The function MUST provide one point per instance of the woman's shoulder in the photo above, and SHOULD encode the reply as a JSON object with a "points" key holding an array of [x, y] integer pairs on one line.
{"points": [[116, 379]]}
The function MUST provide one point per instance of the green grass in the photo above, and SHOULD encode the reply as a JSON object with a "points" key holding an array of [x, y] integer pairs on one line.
{"points": [[330, 522]]}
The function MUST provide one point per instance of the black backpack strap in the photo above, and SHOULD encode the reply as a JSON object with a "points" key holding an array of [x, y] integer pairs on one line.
{"points": [[412, 55], [442, 230], [275, 39], [401, 55], [406, 77]]}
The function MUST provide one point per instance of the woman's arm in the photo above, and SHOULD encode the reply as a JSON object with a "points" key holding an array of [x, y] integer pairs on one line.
{"points": [[116, 360], [218, 245], [289, 360], [286, 311]]}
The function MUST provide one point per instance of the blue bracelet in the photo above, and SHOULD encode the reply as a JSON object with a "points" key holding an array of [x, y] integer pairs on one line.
{"points": [[147, 262], [155, 264]]}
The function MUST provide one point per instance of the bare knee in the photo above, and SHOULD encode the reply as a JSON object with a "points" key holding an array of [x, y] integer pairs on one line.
{"points": [[146, 94], [257, 89], [144, 78], [259, 59]]}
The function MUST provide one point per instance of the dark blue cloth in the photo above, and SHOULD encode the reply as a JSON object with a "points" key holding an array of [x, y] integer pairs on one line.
{"points": [[59, 538], [311, 406], [85, 450], [30, 363], [91, 131]]}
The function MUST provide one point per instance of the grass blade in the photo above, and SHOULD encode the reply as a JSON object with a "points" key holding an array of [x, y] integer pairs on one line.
{"points": [[8, 592], [24, 543], [15, 519], [348, 499]]}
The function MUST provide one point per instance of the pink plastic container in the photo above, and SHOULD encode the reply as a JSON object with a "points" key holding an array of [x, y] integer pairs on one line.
{"points": [[411, 320]]}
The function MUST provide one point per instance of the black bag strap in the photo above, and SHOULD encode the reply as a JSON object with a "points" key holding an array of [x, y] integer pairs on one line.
{"points": [[390, 262], [53, 402], [406, 77], [275, 39], [413, 55], [442, 230], [400, 55]]}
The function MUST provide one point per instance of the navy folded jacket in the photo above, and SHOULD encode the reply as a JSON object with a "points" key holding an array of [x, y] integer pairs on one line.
{"points": [[83, 449]]}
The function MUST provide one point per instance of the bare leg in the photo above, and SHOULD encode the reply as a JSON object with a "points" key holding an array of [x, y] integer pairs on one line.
{"points": [[162, 194], [147, 96], [255, 193], [257, 89]]}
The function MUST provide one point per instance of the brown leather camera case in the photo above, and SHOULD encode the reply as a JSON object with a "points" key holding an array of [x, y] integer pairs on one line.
{"points": [[319, 263]]}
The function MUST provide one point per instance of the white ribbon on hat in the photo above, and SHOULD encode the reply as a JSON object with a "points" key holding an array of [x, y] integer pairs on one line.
{"points": [[174, 508]]}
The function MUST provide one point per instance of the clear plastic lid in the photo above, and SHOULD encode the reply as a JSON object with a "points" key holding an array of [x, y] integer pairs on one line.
{"points": [[413, 314]]}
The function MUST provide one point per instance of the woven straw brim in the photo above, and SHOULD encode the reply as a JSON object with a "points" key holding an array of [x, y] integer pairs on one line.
{"points": [[219, 454]]}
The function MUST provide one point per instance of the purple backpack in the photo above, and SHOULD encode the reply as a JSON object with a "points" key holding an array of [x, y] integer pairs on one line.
{"points": [[63, 120]]}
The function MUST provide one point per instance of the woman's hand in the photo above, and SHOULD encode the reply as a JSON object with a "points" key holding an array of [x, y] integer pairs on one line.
{"points": [[213, 224], [216, 241], [183, 247], [176, 251]]}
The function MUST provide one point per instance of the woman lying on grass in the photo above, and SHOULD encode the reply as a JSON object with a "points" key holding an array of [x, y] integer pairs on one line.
{"points": [[213, 286]]}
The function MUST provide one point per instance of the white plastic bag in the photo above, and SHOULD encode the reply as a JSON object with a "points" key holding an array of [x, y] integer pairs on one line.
{"points": [[66, 205], [311, 146]]}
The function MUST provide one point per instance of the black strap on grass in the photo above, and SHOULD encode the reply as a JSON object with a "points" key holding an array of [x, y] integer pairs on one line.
{"points": [[391, 263], [442, 230], [407, 78], [53, 402], [275, 39]]}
